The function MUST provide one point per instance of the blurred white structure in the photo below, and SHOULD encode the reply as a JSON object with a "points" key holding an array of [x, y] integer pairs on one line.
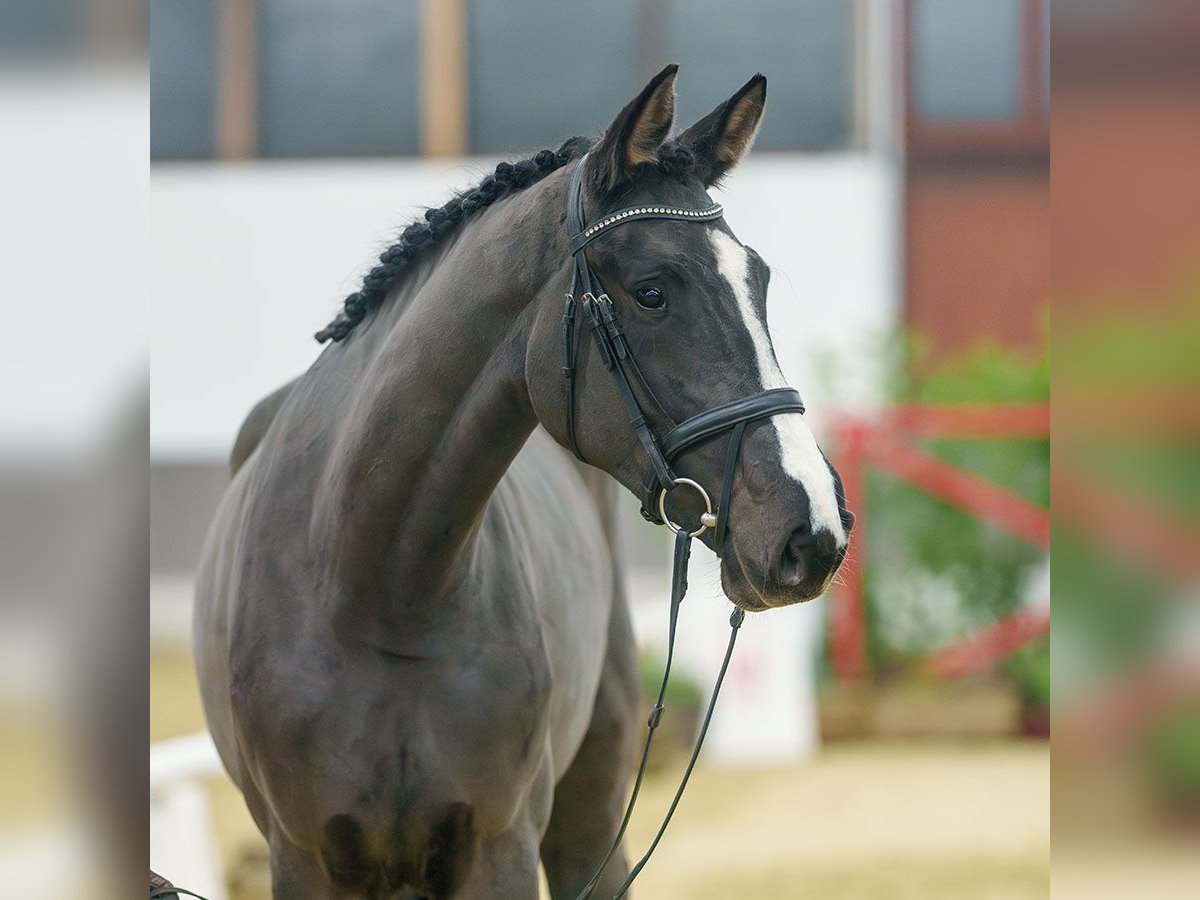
{"points": [[74, 245], [183, 844], [767, 709]]}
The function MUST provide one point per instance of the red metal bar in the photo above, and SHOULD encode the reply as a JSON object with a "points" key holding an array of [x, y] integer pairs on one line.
{"points": [[1122, 710], [972, 420], [1161, 411], [987, 647], [1126, 523], [861, 443], [962, 489]]}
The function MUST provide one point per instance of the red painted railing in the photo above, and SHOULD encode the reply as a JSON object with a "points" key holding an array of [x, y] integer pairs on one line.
{"points": [[889, 444]]}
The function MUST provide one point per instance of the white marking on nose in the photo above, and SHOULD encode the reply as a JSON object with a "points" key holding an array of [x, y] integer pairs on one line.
{"points": [[801, 458]]}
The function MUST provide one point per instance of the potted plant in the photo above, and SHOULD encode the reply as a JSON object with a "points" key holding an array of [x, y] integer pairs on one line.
{"points": [[1172, 755], [1030, 669]]}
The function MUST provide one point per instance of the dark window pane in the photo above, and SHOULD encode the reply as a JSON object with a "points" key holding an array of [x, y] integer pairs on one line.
{"points": [[966, 59], [37, 29], [183, 78], [805, 48], [338, 77], [541, 71]]}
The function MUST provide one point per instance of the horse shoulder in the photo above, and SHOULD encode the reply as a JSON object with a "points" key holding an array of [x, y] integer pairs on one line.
{"points": [[255, 426]]}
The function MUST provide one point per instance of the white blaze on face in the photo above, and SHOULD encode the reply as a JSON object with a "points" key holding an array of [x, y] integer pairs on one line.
{"points": [[802, 460]]}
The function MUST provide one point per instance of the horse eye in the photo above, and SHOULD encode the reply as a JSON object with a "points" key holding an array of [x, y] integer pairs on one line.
{"points": [[651, 298]]}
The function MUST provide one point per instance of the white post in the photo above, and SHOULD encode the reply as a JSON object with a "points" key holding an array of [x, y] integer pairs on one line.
{"points": [[183, 847], [767, 711]]}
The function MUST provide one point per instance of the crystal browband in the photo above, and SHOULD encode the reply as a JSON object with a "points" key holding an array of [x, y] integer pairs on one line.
{"points": [[643, 212]]}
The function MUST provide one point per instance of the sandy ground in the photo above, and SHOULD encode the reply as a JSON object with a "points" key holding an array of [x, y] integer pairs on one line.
{"points": [[877, 821], [869, 821]]}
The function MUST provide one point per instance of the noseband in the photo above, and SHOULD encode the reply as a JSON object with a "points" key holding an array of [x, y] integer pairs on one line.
{"points": [[587, 293]]}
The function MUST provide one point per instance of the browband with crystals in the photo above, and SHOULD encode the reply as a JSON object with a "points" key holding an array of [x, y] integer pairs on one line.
{"points": [[633, 213]]}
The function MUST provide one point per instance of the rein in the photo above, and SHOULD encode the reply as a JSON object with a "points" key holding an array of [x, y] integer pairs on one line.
{"points": [[586, 294]]}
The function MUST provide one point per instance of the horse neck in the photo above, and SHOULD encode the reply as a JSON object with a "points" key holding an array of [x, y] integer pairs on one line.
{"points": [[438, 409]]}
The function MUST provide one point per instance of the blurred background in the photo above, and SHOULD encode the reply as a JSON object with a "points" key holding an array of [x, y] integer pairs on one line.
{"points": [[887, 741]]}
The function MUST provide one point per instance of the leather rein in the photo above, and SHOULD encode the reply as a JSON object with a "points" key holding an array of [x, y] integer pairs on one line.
{"points": [[586, 299]]}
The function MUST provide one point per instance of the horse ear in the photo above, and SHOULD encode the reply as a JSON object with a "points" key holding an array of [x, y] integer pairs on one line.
{"points": [[636, 134], [725, 135]]}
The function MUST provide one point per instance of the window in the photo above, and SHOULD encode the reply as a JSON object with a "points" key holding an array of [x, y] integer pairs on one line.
{"points": [[804, 48], [37, 29], [338, 77], [977, 76], [183, 79], [966, 59], [540, 71], [318, 78]]}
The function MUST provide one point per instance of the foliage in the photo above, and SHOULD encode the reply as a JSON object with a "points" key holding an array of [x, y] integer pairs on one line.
{"points": [[1126, 383], [682, 690], [935, 572], [1173, 752], [1030, 668]]}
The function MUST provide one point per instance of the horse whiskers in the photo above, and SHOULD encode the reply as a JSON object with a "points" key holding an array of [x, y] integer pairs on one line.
{"points": [[763, 593]]}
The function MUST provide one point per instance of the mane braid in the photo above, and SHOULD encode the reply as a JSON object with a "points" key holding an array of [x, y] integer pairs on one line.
{"points": [[395, 261], [507, 179]]}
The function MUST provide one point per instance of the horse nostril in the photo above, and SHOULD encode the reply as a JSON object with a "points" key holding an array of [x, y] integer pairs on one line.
{"points": [[808, 554], [792, 566], [799, 540]]}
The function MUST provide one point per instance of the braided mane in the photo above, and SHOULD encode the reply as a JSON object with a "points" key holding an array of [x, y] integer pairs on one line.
{"points": [[394, 262], [507, 179]]}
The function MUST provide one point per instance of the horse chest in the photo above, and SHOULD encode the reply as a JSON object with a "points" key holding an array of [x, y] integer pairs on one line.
{"points": [[478, 703], [376, 735]]}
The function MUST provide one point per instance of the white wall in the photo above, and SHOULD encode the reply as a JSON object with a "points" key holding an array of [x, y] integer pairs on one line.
{"points": [[247, 261], [73, 232]]}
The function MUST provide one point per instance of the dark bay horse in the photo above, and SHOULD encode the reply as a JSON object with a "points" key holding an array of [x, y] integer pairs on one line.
{"points": [[413, 648]]}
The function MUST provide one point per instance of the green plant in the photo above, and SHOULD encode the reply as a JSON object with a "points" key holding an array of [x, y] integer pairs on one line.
{"points": [[1126, 376], [1173, 753], [682, 690], [936, 572], [1030, 668]]}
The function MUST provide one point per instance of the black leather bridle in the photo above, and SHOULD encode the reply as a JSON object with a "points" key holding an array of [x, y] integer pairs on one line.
{"points": [[587, 294]]}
